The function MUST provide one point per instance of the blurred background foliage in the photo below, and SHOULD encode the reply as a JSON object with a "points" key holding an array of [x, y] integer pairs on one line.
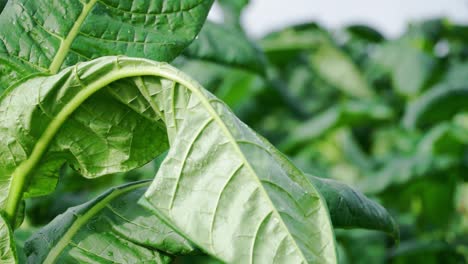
{"points": [[387, 116]]}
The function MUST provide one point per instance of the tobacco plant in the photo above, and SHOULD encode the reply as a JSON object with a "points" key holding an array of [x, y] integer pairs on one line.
{"points": [[88, 85]]}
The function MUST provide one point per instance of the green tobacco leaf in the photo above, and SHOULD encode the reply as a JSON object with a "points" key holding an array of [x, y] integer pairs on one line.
{"points": [[118, 139], [226, 63], [350, 113], [234, 86], [351, 209], [437, 151], [294, 39], [21, 236], [226, 191], [336, 68], [2, 4], [363, 32], [348, 208], [7, 246], [232, 11], [109, 229], [327, 61], [409, 66], [226, 46], [437, 104], [46, 36]]}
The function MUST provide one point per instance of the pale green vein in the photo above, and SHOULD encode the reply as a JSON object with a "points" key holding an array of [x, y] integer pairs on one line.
{"points": [[233, 174], [66, 43], [195, 88], [65, 240], [252, 250], [189, 149], [163, 70], [140, 83]]}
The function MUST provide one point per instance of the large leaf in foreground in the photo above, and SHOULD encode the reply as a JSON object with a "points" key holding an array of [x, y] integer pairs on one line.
{"points": [[87, 228], [102, 136], [220, 185], [108, 229], [47, 36]]}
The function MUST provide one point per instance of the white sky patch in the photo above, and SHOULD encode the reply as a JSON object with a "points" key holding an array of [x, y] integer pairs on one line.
{"points": [[388, 16]]}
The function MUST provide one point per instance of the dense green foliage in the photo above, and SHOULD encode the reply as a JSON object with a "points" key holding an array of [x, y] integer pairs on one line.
{"points": [[78, 123], [389, 117]]}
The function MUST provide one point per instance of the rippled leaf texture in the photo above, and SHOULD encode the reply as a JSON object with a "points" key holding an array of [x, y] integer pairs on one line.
{"points": [[109, 229], [47, 36], [226, 191], [7, 246], [103, 135]]}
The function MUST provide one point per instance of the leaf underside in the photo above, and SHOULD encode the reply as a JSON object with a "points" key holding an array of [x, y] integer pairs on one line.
{"points": [[221, 185], [108, 229], [7, 248]]}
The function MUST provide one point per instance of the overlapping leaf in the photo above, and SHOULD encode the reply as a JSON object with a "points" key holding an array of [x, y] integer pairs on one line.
{"points": [[437, 104], [226, 46], [47, 36], [109, 229], [7, 246], [225, 190]]}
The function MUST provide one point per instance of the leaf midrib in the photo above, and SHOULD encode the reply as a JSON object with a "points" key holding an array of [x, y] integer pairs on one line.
{"points": [[19, 176], [66, 43], [83, 219], [215, 116]]}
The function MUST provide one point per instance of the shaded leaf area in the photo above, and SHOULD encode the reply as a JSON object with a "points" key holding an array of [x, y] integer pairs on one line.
{"points": [[2, 4], [419, 251], [232, 11], [223, 45], [93, 148], [199, 202], [7, 246], [436, 105], [73, 189], [352, 113], [97, 231], [409, 66], [438, 151], [108, 229], [44, 36], [229, 65], [21, 235], [404, 143], [233, 67], [314, 47], [351, 209]]}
